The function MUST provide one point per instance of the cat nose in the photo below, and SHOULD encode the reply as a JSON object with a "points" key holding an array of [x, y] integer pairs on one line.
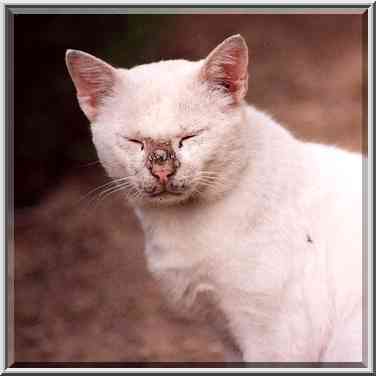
{"points": [[162, 164], [162, 175]]}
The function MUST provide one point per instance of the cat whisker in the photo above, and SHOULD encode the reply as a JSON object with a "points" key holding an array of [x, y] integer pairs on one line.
{"points": [[207, 173], [92, 191], [108, 187], [209, 181], [107, 184], [117, 185], [118, 189], [123, 188], [88, 164]]}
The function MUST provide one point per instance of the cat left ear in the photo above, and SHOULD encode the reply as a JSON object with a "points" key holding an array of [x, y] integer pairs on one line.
{"points": [[226, 67], [93, 78]]}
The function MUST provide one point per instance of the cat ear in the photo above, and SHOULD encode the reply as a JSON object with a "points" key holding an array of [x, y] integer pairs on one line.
{"points": [[93, 78], [226, 67]]}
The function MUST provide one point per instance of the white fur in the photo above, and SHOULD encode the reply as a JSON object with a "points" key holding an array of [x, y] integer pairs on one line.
{"points": [[275, 245], [285, 299]]}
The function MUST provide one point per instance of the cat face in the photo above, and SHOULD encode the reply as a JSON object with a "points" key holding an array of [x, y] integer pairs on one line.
{"points": [[169, 131]]}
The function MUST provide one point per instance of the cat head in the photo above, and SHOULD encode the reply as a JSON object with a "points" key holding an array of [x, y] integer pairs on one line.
{"points": [[169, 131]]}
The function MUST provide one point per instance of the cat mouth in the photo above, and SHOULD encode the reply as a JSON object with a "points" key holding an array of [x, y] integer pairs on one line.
{"points": [[164, 193]]}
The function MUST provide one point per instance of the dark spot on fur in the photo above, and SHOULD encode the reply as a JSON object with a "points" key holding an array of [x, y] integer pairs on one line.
{"points": [[309, 240]]}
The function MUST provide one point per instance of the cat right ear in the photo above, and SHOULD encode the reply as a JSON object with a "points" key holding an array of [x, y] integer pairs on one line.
{"points": [[226, 67], [93, 78]]}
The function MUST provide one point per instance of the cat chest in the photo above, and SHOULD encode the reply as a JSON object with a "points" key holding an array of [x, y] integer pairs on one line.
{"points": [[183, 268], [188, 253]]}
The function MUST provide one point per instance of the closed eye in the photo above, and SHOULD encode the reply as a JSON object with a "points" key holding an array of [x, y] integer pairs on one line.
{"points": [[136, 142], [185, 139]]}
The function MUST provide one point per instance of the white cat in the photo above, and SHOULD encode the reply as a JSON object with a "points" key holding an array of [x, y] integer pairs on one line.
{"points": [[240, 218]]}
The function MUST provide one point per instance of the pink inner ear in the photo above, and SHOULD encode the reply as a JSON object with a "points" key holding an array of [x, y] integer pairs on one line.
{"points": [[233, 77], [93, 79], [227, 67], [228, 71]]}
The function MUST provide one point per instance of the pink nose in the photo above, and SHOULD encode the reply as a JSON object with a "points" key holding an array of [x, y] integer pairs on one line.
{"points": [[162, 175]]}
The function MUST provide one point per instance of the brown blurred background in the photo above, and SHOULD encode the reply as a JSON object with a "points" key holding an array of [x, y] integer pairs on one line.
{"points": [[82, 292]]}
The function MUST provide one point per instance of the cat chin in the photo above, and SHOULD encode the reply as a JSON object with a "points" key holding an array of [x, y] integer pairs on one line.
{"points": [[170, 199], [164, 199]]}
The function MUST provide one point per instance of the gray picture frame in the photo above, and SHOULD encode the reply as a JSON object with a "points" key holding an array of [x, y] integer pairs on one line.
{"points": [[9, 364]]}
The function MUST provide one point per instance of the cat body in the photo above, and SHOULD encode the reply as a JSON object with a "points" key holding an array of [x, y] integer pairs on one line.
{"points": [[282, 264], [250, 224]]}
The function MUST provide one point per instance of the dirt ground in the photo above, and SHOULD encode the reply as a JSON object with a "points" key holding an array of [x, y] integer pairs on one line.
{"points": [[82, 291]]}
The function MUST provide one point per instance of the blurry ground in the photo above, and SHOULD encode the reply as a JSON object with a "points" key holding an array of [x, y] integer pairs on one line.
{"points": [[85, 295], [82, 292]]}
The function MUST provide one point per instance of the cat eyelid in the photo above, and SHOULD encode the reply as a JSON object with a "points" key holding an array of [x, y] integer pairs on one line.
{"points": [[185, 138], [188, 136], [135, 141]]}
